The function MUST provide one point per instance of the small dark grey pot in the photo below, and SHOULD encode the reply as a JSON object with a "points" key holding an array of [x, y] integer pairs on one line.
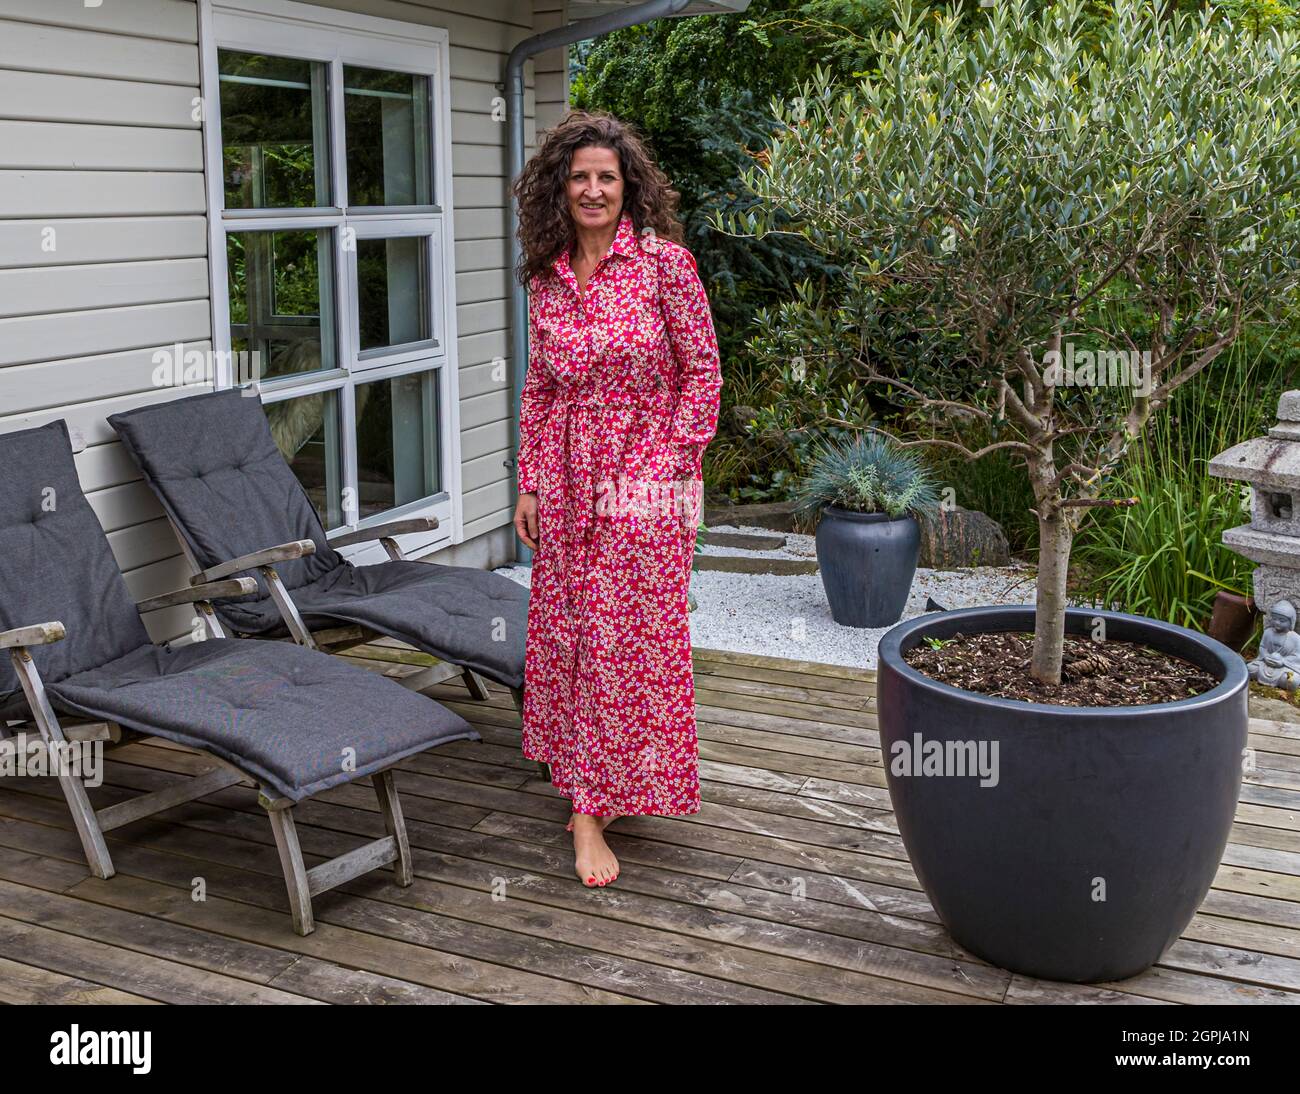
{"points": [[1133, 803], [867, 562]]}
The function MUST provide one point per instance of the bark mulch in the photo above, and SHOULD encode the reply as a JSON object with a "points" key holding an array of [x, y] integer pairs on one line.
{"points": [[1094, 674]]}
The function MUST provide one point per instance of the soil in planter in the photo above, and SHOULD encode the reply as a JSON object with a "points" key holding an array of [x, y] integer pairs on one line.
{"points": [[1094, 674]]}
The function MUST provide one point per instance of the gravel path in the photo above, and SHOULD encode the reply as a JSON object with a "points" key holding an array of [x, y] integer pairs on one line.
{"points": [[787, 615]]}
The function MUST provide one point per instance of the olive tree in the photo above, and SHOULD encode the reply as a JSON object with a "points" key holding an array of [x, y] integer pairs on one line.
{"points": [[1042, 236]]}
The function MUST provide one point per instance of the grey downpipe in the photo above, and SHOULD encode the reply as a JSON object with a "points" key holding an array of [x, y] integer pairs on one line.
{"points": [[529, 47]]}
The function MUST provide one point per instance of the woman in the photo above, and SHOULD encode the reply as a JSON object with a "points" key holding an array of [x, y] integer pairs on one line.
{"points": [[620, 399]]}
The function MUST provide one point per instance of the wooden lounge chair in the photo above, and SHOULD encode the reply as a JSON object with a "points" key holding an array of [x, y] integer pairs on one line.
{"points": [[237, 507], [289, 720]]}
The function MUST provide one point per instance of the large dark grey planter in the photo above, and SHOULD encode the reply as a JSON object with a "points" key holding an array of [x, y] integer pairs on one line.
{"points": [[1105, 826], [867, 562]]}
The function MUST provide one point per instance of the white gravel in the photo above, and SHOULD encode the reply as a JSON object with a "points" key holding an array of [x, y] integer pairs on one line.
{"points": [[787, 615]]}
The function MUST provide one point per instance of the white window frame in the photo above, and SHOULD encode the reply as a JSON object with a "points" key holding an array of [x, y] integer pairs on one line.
{"points": [[291, 29]]}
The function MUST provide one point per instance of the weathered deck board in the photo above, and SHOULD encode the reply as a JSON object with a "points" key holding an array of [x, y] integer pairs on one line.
{"points": [[790, 885]]}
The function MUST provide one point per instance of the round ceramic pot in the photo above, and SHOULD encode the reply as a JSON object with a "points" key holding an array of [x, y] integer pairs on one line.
{"points": [[867, 562], [1069, 843]]}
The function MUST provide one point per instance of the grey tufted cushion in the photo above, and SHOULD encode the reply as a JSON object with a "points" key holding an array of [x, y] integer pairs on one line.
{"points": [[213, 463], [292, 717], [466, 616], [55, 562]]}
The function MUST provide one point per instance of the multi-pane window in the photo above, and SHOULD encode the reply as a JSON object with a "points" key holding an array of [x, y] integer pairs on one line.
{"points": [[334, 258]]}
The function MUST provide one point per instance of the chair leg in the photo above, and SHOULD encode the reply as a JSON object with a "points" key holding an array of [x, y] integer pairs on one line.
{"points": [[83, 816], [295, 872], [391, 807], [478, 689], [47, 722]]}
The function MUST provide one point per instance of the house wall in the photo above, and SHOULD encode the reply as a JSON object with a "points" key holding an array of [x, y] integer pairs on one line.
{"points": [[103, 242], [552, 67]]}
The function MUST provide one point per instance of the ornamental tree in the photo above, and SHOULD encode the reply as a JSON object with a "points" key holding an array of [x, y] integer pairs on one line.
{"points": [[1042, 235]]}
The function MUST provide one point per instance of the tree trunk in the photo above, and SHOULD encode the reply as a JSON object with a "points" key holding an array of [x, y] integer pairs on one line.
{"points": [[1055, 537]]}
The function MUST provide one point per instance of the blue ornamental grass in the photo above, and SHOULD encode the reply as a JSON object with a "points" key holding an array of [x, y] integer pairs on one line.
{"points": [[868, 473]]}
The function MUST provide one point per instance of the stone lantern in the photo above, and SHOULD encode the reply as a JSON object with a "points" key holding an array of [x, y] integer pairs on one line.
{"points": [[1271, 466]]}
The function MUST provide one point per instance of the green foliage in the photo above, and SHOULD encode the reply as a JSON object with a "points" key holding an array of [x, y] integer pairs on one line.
{"points": [[996, 198], [700, 90], [987, 197], [1165, 558], [868, 473], [995, 485]]}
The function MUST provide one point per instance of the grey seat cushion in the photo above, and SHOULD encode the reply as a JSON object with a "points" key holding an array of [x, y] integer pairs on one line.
{"points": [[214, 465], [466, 616], [298, 720], [277, 711]]}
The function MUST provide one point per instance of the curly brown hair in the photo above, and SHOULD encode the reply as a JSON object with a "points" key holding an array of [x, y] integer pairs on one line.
{"points": [[545, 224]]}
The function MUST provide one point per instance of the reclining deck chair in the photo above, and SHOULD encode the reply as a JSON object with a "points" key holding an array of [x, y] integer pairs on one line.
{"points": [[237, 507], [289, 720]]}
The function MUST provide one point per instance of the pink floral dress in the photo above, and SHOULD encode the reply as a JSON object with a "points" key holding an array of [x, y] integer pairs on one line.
{"points": [[620, 400]]}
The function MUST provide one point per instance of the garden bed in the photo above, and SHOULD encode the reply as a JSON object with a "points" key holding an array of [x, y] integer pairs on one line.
{"points": [[786, 615]]}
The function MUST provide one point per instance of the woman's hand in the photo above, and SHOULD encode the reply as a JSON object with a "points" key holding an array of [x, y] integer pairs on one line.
{"points": [[526, 520]]}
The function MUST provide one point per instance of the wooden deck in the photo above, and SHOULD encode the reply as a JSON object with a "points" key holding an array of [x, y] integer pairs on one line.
{"points": [[790, 886]]}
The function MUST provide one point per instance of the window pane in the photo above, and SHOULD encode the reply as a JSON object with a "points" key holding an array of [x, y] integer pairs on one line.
{"points": [[392, 291], [397, 441], [274, 136], [386, 122], [281, 300], [306, 431]]}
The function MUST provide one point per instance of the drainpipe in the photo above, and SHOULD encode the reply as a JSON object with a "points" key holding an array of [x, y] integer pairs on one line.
{"points": [[529, 47]]}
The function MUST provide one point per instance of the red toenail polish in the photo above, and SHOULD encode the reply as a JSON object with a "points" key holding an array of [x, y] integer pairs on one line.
{"points": [[590, 879]]}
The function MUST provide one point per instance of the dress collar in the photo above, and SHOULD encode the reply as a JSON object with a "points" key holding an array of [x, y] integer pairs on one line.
{"points": [[625, 244]]}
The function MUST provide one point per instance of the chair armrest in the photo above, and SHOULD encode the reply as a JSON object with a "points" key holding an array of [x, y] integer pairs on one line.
{"points": [[42, 634], [210, 590], [283, 553], [383, 531]]}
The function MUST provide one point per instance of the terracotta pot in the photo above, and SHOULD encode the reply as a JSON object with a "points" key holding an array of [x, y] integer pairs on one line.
{"points": [[1233, 620]]}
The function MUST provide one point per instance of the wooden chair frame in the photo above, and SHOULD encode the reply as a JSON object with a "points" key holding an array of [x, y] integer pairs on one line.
{"points": [[301, 883]]}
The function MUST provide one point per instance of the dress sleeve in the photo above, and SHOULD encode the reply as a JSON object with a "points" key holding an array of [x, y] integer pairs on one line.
{"points": [[690, 328], [534, 405]]}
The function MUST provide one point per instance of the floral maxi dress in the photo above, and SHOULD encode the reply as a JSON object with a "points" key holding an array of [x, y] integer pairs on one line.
{"points": [[620, 399]]}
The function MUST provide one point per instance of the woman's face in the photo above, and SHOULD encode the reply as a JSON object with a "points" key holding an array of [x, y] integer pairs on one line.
{"points": [[595, 188]]}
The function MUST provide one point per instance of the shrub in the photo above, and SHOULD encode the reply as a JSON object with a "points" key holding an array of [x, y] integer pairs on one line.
{"points": [[868, 473], [992, 197]]}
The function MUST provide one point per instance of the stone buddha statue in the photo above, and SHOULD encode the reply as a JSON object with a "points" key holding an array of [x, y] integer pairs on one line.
{"points": [[1278, 663]]}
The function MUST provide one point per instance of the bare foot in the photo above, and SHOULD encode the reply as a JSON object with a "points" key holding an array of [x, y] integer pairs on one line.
{"points": [[604, 822], [594, 862]]}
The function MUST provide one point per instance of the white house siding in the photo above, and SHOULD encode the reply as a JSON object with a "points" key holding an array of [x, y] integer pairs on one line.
{"points": [[98, 141], [552, 67], [102, 238]]}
